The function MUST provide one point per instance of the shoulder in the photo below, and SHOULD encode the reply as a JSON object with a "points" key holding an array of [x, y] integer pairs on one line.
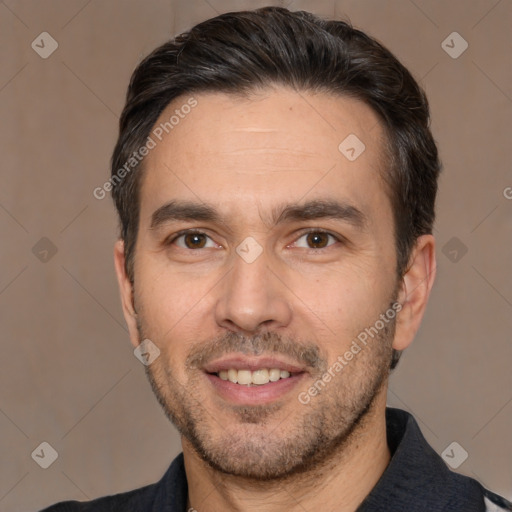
{"points": [[169, 494], [495, 503], [417, 476]]}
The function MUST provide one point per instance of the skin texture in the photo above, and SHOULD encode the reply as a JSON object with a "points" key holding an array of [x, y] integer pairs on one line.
{"points": [[303, 299]]}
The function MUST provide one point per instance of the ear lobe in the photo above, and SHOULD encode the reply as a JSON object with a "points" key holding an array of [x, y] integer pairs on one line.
{"points": [[415, 290], [126, 291]]}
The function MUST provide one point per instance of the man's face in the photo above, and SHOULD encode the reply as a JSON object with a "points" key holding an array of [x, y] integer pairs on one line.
{"points": [[287, 256]]}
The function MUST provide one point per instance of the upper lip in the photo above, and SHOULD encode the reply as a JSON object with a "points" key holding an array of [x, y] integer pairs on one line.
{"points": [[239, 362]]}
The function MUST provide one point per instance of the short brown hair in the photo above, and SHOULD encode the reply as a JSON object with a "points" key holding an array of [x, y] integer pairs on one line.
{"points": [[238, 52]]}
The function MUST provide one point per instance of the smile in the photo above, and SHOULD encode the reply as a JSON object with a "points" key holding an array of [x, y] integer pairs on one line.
{"points": [[253, 378], [245, 380]]}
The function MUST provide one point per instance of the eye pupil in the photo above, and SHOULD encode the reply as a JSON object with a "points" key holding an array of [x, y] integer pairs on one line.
{"points": [[318, 240], [195, 240]]}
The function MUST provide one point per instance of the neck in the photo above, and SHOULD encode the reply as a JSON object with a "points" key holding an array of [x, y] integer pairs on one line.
{"points": [[340, 483]]}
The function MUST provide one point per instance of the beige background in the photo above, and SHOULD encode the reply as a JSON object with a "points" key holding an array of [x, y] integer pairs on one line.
{"points": [[68, 375]]}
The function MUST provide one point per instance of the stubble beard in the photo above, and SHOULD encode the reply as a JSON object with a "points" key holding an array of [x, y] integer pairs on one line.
{"points": [[247, 441]]}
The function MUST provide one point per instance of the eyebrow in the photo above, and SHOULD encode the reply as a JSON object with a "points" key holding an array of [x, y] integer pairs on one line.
{"points": [[179, 210]]}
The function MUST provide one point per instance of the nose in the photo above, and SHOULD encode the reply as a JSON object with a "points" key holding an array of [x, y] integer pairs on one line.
{"points": [[252, 297]]}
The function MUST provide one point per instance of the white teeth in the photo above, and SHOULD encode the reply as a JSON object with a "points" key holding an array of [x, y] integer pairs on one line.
{"points": [[260, 377], [274, 374], [244, 377], [257, 377], [233, 376]]}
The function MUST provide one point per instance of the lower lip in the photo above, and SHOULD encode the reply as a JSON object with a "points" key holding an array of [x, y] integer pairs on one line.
{"points": [[254, 395]]}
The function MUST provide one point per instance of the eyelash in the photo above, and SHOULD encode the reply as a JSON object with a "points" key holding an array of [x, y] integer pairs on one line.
{"points": [[184, 232]]}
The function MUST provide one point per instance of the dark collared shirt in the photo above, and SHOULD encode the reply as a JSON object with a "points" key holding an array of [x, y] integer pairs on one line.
{"points": [[416, 480]]}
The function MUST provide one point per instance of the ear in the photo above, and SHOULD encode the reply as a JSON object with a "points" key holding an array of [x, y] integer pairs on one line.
{"points": [[415, 291], [126, 289]]}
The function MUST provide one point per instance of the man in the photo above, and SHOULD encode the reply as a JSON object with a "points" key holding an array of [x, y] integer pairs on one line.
{"points": [[275, 178]]}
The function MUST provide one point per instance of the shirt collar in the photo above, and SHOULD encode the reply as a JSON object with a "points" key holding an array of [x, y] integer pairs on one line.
{"points": [[416, 479]]}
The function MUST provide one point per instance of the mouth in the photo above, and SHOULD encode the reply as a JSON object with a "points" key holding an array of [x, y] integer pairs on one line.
{"points": [[253, 378], [253, 381]]}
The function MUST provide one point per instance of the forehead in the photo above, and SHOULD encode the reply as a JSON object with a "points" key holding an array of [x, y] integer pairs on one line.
{"points": [[272, 145]]}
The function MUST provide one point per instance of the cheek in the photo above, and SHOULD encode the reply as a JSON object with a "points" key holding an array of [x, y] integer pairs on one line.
{"points": [[341, 303], [170, 302]]}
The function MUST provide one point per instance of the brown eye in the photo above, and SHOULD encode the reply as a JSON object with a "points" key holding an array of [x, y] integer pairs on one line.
{"points": [[194, 240], [317, 240]]}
